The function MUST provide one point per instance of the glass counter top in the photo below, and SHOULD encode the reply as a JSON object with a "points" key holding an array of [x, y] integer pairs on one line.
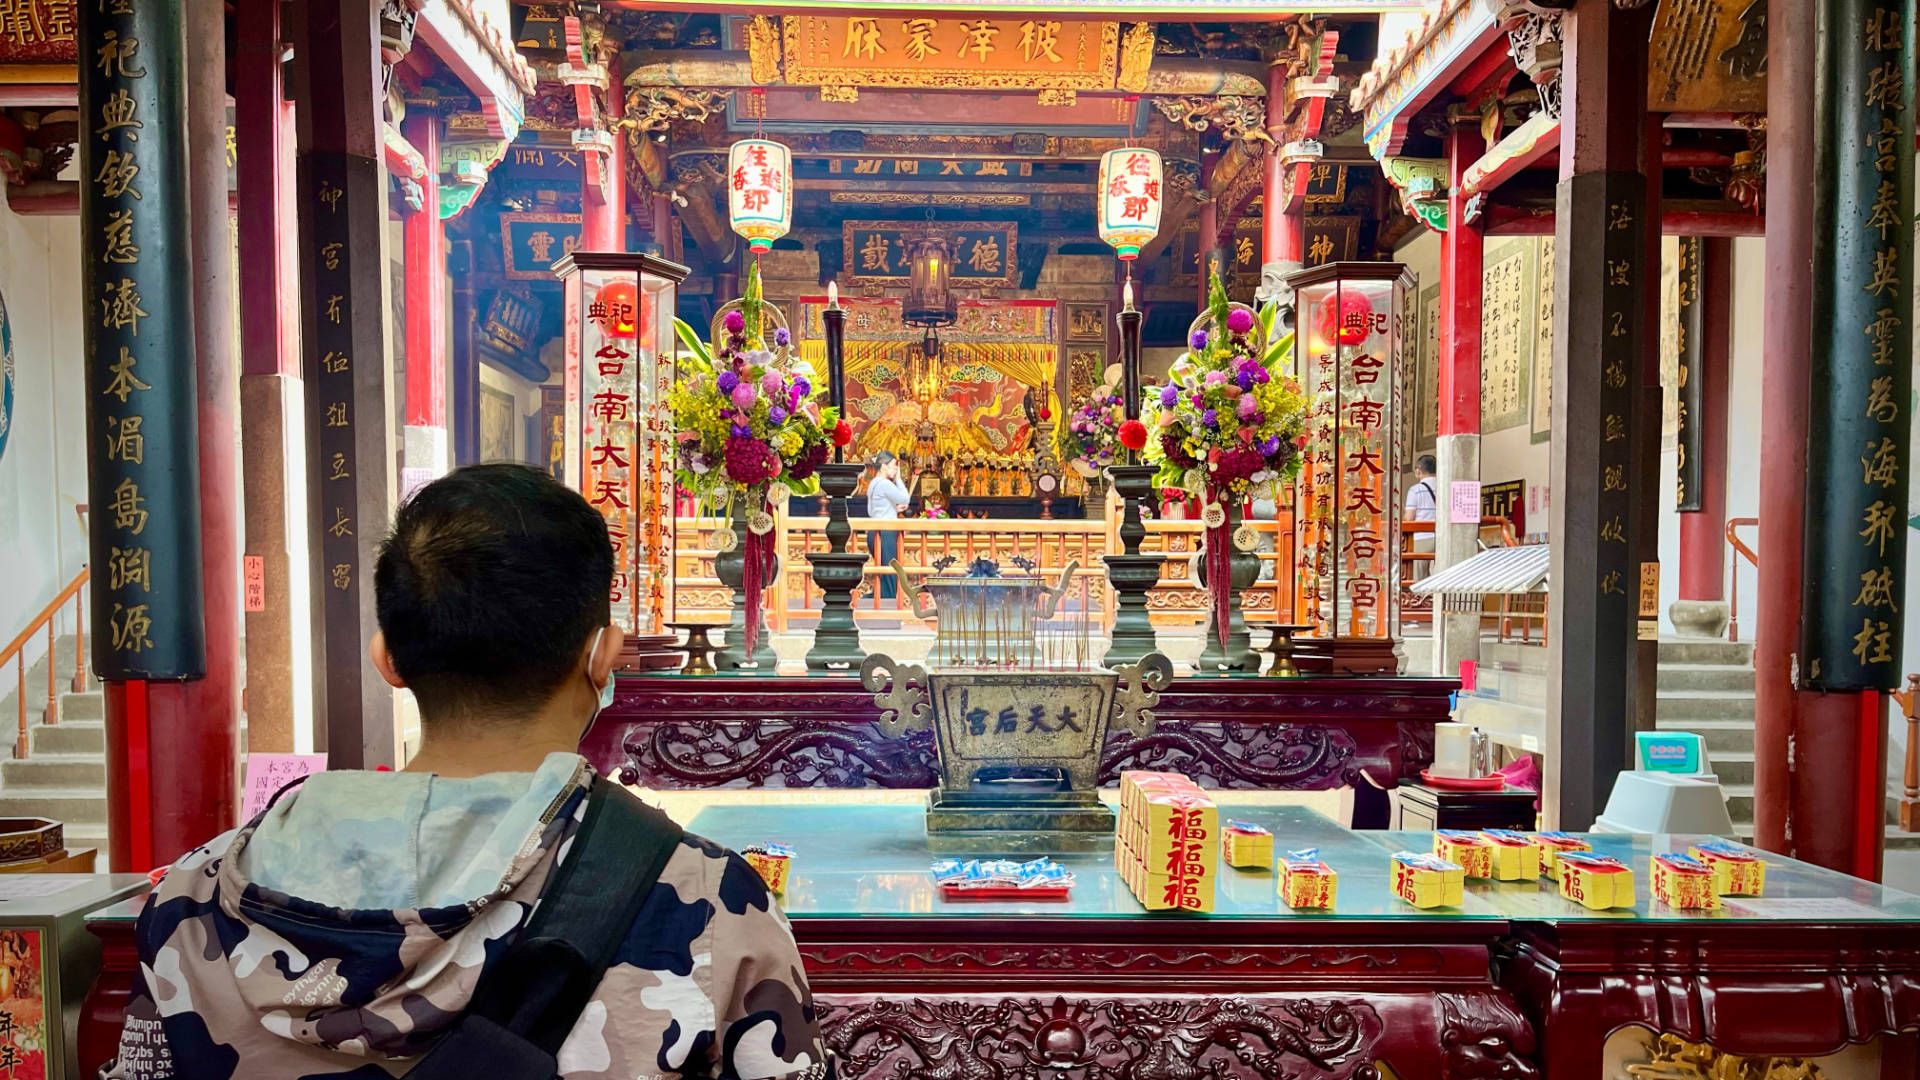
{"points": [[872, 862]]}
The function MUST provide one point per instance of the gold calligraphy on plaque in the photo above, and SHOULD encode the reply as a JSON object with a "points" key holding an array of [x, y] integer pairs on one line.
{"points": [[985, 53], [41, 29]]}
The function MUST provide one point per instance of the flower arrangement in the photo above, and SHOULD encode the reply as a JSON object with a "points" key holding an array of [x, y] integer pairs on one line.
{"points": [[749, 430], [1229, 420], [1089, 440]]}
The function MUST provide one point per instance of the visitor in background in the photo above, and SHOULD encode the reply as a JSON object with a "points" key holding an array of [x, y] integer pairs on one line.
{"points": [[1423, 504], [345, 930], [1423, 497], [887, 498]]}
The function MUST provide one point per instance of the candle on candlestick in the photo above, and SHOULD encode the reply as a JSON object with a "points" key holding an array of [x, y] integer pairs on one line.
{"points": [[834, 319], [1130, 321]]}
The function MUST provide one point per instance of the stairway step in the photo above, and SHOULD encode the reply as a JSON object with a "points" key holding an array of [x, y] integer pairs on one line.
{"points": [[1688, 705], [87, 834], [1739, 802], [1720, 678], [53, 771], [91, 705], [73, 737], [60, 804], [1732, 766]]}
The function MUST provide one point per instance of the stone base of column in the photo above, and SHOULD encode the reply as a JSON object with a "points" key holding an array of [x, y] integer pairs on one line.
{"points": [[279, 678], [1457, 636], [1699, 618]]}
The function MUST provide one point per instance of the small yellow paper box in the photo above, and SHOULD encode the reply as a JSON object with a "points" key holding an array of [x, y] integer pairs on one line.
{"points": [[1737, 871], [1246, 846], [1595, 881], [1682, 881], [1428, 881], [1306, 881], [1555, 844], [1466, 850], [1515, 856], [771, 862]]}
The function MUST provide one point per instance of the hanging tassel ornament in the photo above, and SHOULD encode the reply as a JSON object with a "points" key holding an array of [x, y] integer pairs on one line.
{"points": [[1219, 541], [758, 572]]}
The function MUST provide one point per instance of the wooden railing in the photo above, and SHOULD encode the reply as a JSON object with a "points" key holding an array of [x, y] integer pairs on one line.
{"points": [[1051, 545], [1733, 594], [16, 651]]}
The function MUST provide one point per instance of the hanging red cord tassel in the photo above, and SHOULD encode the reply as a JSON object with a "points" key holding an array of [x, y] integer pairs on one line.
{"points": [[1220, 576], [758, 575]]}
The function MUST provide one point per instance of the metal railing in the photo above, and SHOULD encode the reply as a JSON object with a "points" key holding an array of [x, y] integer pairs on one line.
{"points": [[1733, 594], [16, 651]]}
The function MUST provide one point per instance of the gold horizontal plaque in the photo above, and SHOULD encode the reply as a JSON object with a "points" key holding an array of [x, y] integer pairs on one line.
{"points": [[1708, 56], [951, 52]]}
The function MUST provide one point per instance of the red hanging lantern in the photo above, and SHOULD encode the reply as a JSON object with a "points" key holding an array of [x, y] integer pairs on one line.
{"points": [[617, 307]]}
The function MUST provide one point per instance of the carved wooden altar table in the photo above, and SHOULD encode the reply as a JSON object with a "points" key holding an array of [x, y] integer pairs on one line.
{"points": [[1234, 732]]}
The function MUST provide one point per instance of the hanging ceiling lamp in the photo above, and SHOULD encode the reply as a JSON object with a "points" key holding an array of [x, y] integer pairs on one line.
{"points": [[760, 191], [1132, 192], [930, 299]]}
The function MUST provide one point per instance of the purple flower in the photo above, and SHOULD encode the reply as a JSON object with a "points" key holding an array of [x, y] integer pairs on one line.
{"points": [[781, 337], [742, 431], [1270, 446], [1199, 399], [735, 321], [776, 415], [727, 381], [1244, 380], [743, 396], [1239, 320], [801, 387], [1169, 396], [1210, 418], [1197, 340]]}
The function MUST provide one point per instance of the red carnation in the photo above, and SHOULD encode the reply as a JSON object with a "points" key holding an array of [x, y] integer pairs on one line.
{"points": [[842, 433], [808, 462], [750, 461], [1133, 435]]}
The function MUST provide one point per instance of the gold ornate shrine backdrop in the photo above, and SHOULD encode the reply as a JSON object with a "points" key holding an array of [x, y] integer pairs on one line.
{"points": [[995, 362]]}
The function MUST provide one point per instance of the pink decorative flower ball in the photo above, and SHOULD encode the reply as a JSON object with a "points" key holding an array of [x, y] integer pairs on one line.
{"points": [[743, 396]]}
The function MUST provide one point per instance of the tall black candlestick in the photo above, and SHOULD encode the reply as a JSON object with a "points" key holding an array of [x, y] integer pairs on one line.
{"points": [[1130, 320], [834, 318]]}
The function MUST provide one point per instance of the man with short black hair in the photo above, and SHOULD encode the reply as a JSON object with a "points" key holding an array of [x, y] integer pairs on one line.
{"points": [[1423, 501], [344, 931]]}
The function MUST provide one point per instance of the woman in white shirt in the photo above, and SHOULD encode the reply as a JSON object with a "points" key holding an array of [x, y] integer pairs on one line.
{"points": [[886, 498]]}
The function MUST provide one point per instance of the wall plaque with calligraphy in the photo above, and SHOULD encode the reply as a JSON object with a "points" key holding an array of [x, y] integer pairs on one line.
{"points": [[1331, 239], [985, 253], [1690, 338], [1541, 425], [1427, 432], [1708, 56], [38, 31], [951, 52], [1506, 499], [142, 438], [1854, 567], [1326, 185], [533, 241], [1506, 335]]}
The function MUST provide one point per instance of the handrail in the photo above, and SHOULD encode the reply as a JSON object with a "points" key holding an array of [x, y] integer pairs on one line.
{"points": [[16, 652], [1733, 593]]}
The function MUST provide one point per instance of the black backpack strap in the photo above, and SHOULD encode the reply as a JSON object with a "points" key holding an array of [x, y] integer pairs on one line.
{"points": [[524, 1008]]}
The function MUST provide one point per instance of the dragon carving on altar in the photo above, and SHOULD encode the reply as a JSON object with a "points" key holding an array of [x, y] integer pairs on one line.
{"points": [[1131, 1039]]}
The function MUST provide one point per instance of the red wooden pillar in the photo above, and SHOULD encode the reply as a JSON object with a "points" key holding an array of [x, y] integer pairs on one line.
{"points": [[1457, 450], [603, 217], [424, 240], [1209, 230], [1783, 410], [1703, 541], [1282, 232], [269, 318]]}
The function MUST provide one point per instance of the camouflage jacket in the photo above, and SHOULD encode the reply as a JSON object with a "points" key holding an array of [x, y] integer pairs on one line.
{"points": [[342, 930]]}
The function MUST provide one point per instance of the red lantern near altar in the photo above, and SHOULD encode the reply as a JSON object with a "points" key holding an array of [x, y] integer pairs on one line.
{"points": [[620, 354], [1347, 518]]}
